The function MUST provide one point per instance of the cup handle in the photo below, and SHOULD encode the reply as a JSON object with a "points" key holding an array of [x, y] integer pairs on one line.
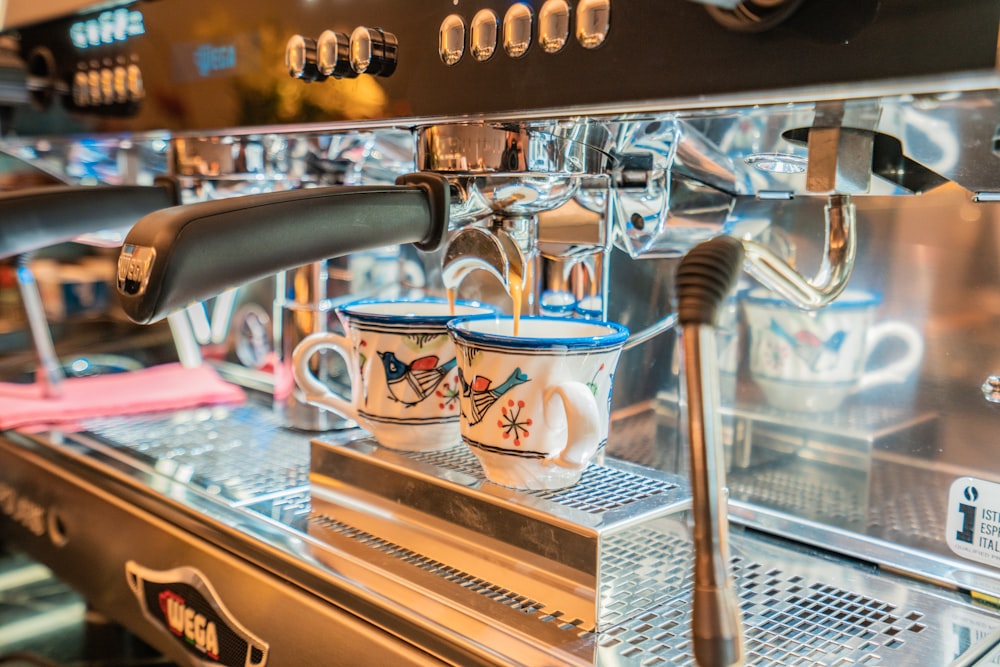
{"points": [[316, 392], [897, 371], [583, 428]]}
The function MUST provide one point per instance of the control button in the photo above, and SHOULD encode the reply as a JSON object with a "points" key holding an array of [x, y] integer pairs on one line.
{"points": [[451, 39], [373, 51], [120, 84], [107, 86], [136, 88], [553, 25], [592, 22], [485, 28], [81, 90], [517, 30], [300, 58], [333, 55], [94, 86]]}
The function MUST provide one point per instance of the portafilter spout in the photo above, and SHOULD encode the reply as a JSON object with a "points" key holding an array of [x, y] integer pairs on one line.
{"points": [[503, 176], [474, 248], [177, 256], [705, 276]]}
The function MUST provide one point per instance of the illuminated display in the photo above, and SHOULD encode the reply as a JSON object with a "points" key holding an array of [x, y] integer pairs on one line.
{"points": [[110, 27], [209, 59]]}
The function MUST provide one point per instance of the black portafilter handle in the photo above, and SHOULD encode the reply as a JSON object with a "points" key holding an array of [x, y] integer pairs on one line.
{"points": [[705, 276], [181, 255], [36, 218]]}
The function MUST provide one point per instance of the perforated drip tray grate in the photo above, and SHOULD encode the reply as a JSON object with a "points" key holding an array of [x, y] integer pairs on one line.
{"points": [[239, 453], [601, 488], [799, 608], [441, 505]]}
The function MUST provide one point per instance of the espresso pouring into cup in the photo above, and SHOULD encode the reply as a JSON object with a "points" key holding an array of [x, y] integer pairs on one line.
{"points": [[535, 406]]}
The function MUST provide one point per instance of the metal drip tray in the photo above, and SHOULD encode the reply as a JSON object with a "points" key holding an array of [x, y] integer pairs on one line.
{"points": [[435, 521], [238, 453], [598, 574], [560, 546]]}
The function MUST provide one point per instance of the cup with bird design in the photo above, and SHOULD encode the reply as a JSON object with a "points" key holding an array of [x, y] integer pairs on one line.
{"points": [[402, 368], [811, 361], [536, 405]]}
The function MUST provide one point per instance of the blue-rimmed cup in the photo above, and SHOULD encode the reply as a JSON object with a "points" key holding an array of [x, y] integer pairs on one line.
{"points": [[811, 361], [536, 406], [402, 368]]}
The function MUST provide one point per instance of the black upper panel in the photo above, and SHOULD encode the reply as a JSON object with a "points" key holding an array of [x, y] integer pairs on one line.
{"points": [[218, 65]]}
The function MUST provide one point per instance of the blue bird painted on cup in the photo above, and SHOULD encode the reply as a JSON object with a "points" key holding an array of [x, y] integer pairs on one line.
{"points": [[808, 346], [482, 394], [413, 382]]}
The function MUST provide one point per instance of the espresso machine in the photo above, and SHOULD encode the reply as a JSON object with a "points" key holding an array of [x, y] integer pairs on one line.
{"points": [[580, 149]]}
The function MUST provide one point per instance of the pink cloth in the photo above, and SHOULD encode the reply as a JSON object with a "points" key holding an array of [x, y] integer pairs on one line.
{"points": [[166, 387]]}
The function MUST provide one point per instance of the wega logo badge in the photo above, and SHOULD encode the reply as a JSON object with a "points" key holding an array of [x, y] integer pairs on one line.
{"points": [[185, 622], [185, 605]]}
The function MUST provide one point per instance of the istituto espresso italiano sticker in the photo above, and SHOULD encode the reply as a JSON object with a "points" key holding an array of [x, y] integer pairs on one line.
{"points": [[973, 528]]}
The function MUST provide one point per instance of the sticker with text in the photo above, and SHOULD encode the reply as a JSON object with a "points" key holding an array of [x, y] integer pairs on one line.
{"points": [[973, 528]]}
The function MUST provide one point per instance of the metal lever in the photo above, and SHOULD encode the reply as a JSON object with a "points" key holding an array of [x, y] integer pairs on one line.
{"points": [[706, 274]]}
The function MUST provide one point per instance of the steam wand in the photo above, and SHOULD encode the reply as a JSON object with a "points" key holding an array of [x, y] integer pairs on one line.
{"points": [[706, 274], [49, 374]]}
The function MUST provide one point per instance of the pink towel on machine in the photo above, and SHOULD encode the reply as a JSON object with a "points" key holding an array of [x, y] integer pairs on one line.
{"points": [[166, 387]]}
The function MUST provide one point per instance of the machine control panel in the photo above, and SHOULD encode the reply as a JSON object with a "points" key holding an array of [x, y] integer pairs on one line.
{"points": [[368, 51], [519, 26], [195, 70]]}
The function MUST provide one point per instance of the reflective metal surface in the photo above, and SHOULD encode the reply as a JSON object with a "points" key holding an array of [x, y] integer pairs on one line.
{"points": [[800, 606], [599, 140]]}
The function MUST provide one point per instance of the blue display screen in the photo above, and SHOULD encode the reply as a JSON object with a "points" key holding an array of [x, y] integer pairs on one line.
{"points": [[111, 27]]}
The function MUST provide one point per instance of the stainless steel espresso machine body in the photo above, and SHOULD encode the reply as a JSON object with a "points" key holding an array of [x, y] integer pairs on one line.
{"points": [[585, 147]]}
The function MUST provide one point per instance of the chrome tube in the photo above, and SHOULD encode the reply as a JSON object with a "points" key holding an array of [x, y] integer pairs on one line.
{"points": [[839, 251], [48, 375], [715, 618]]}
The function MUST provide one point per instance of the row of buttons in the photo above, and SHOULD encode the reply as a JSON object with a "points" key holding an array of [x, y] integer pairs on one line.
{"points": [[368, 51], [592, 24], [94, 85]]}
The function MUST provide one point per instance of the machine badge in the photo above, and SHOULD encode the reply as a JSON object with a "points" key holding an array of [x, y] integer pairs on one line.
{"points": [[184, 604], [974, 520]]}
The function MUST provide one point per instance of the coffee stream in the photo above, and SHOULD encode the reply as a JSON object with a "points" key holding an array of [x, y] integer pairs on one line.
{"points": [[516, 283]]}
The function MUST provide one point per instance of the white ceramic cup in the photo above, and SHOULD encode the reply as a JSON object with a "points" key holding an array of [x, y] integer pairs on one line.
{"points": [[401, 362], [810, 361], [535, 407]]}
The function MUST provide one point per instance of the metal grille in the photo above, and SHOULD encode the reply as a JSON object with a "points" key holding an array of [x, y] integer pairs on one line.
{"points": [[789, 619], [909, 505], [817, 496], [600, 489], [239, 453]]}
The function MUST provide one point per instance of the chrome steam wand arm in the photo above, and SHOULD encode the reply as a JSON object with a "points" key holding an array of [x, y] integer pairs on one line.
{"points": [[839, 250], [706, 274]]}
